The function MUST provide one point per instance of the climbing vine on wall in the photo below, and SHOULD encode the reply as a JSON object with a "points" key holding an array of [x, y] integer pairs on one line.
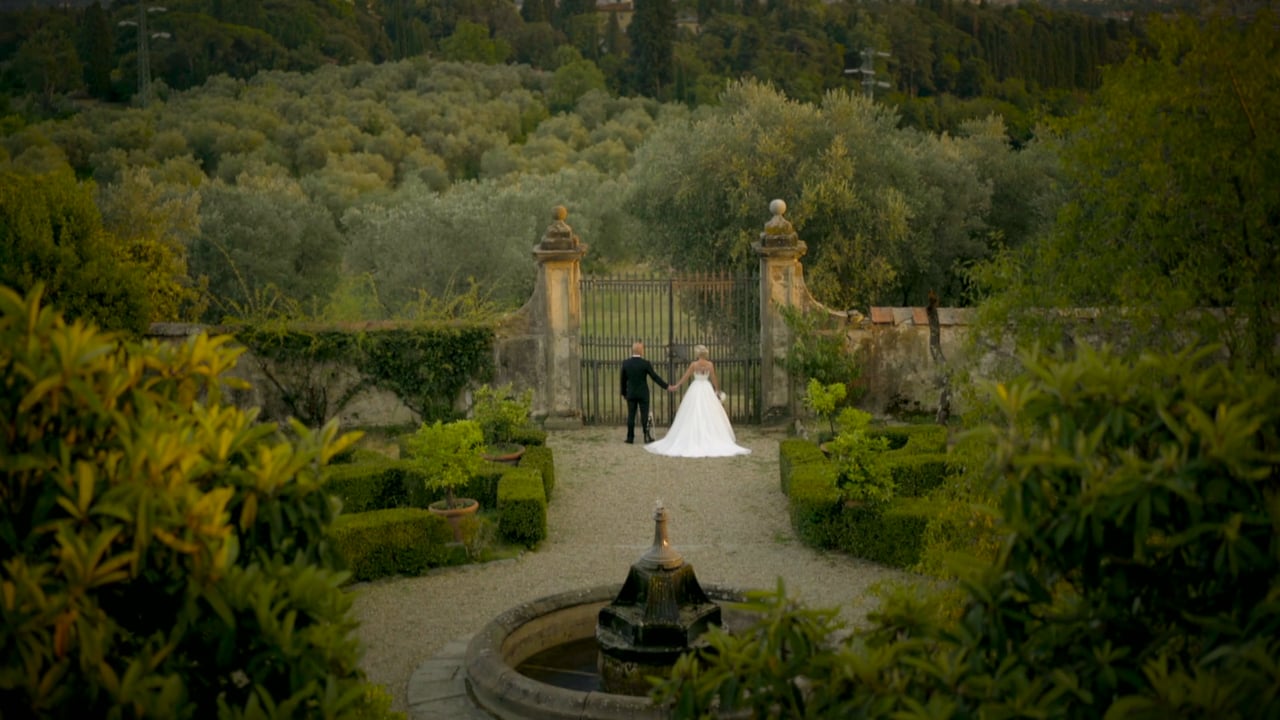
{"points": [[425, 365]]}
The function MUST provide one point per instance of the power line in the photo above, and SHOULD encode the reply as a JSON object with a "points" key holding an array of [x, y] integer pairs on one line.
{"points": [[868, 71], [144, 48]]}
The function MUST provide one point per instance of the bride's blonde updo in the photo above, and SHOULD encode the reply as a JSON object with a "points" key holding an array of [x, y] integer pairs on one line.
{"points": [[701, 352]]}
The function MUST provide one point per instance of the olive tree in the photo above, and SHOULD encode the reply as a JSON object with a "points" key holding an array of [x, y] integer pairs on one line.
{"points": [[486, 230], [888, 214], [1172, 207], [262, 236]]}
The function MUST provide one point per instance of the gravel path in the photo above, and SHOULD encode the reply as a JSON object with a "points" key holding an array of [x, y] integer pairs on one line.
{"points": [[727, 518]]}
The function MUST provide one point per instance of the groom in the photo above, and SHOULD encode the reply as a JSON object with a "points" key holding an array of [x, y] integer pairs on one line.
{"points": [[636, 372]]}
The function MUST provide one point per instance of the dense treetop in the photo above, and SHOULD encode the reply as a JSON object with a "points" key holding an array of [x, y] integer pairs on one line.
{"points": [[943, 61]]}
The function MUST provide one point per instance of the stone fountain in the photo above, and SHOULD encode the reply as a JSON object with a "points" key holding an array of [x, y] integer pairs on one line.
{"points": [[586, 654], [657, 617]]}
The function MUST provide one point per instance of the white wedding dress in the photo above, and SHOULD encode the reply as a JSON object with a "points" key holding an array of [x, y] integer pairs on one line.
{"points": [[701, 427]]}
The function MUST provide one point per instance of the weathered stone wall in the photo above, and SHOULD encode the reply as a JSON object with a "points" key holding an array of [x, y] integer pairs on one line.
{"points": [[332, 386], [538, 346], [898, 371]]}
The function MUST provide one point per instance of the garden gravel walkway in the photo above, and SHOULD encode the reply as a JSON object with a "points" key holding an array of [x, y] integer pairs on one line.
{"points": [[728, 518]]}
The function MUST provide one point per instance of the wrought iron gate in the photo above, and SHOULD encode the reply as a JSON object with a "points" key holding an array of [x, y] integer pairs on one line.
{"points": [[670, 315]]}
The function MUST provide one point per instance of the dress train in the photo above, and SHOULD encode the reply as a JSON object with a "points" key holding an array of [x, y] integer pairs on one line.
{"points": [[701, 427]]}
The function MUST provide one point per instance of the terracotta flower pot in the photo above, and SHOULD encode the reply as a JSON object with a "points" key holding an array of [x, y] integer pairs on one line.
{"points": [[463, 508], [505, 453]]}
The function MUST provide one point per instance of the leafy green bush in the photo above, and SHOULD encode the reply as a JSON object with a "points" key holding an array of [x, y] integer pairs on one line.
{"points": [[398, 541], [862, 474], [500, 412], [522, 506], [446, 454], [51, 236], [824, 400], [164, 554], [818, 352], [967, 530], [1138, 578]]}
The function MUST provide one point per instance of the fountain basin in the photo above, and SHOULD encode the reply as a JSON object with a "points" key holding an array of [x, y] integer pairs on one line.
{"points": [[564, 619]]}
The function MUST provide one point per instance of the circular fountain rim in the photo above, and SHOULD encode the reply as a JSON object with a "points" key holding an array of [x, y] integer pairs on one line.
{"points": [[499, 688]]}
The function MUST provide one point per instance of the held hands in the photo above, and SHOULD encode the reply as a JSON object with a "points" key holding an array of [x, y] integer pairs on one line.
{"points": [[671, 388]]}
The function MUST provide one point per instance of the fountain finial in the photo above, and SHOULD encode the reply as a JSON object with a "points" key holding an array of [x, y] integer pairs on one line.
{"points": [[660, 613], [661, 554]]}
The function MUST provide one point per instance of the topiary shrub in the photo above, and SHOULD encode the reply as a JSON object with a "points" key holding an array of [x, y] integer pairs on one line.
{"points": [[540, 458], [890, 534], [522, 506], [815, 504], [164, 555], [398, 541], [916, 475], [372, 485], [912, 439], [792, 453], [529, 435]]}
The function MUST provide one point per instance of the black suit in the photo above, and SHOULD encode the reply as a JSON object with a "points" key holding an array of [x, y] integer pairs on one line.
{"points": [[636, 372]]}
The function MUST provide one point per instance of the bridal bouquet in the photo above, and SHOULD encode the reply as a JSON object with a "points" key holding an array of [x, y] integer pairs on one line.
{"points": [[721, 394]]}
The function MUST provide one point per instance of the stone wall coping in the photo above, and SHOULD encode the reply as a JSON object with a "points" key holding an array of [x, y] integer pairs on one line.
{"points": [[920, 316]]}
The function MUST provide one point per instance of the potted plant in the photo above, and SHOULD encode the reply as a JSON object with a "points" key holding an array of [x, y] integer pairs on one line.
{"points": [[501, 413], [823, 401], [863, 477], [448, 455]]}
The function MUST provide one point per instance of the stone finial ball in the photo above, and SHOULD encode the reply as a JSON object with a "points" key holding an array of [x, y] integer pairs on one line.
{"points": [[778, 207], [559, 212]]}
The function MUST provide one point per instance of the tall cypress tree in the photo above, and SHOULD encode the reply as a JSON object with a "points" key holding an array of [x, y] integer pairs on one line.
{"points": [[614, 39], [534, 11], [94, 46], [568, 9], [652, 33]]}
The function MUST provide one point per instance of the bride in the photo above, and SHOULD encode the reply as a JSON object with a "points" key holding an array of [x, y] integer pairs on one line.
{"points": [[701, 427]]}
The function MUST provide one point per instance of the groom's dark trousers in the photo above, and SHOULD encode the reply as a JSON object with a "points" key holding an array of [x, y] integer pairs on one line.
{"points": [[636, 372]]}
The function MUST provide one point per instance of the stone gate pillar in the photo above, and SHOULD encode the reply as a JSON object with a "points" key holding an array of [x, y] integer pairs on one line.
{"points": [[557, 319], [781, 285]]}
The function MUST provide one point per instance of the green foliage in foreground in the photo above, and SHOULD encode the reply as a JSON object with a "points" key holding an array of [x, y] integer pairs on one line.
{"points": [[1139, 577], [164, 554]]}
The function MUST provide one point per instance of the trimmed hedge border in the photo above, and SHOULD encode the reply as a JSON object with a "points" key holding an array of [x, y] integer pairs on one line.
{"points": [[397, 541], [522, 506], [540, 458], [385, 529], [793, 452], [892, 533], [913, 439]]}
